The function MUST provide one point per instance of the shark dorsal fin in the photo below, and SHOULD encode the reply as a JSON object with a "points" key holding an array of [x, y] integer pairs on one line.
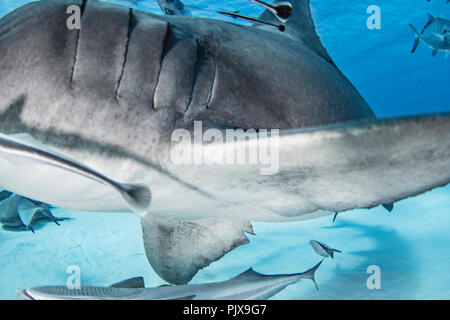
{"points": [[301, 26], [137, 282], [249, 275]]}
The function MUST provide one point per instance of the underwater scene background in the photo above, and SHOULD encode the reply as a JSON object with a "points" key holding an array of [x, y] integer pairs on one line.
{"points": [[410, 245]]}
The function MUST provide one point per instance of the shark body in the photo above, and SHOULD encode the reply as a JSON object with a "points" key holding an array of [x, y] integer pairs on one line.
{"points": [[110, 95]]}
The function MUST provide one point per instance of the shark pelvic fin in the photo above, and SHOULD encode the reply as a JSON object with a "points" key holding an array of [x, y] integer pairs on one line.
{"points": [[178, 249]]}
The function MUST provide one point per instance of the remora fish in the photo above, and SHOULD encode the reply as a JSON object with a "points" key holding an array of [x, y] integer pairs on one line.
{"points": [[22, 151], [112, 94], [322, 249], [435, 34], [281, 9], [249, 285]]}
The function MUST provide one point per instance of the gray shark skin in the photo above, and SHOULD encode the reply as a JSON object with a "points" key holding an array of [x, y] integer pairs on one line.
{"points": [[249, 285], [110, 95], [435, 34]]}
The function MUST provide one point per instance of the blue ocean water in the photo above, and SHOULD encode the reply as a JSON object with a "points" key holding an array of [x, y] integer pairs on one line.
{"points": [[410, 245]]}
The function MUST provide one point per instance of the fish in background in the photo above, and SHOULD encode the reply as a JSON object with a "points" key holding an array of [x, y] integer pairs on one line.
{"points": [[322, 249], [173, 7], [176, 7], [18, 213], [435, 34], [447, 1], [249, 285]]}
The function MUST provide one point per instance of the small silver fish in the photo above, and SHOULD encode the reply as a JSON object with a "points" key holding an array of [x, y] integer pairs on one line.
{"points": [[322, 249], [249, 285], [435, 34]]}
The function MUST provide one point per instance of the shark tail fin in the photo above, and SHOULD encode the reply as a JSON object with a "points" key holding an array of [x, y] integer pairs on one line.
{"points": [[310, 274], [416, 38], [178, 249]]}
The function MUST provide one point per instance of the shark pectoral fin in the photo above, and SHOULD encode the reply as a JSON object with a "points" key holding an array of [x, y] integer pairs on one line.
{"points": [[339, 167], [368, 163], [137, 282], [26, 166], [434, 52], [178, 249]]}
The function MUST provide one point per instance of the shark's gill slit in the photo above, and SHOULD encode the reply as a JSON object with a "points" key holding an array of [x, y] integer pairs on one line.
{"points": [[197, 67], [165, 49], [213, 83], [132, 22], [83, 6]]}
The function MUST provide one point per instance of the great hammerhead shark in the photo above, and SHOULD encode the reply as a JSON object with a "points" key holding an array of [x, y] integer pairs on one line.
{"points": [[121, 97]]}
